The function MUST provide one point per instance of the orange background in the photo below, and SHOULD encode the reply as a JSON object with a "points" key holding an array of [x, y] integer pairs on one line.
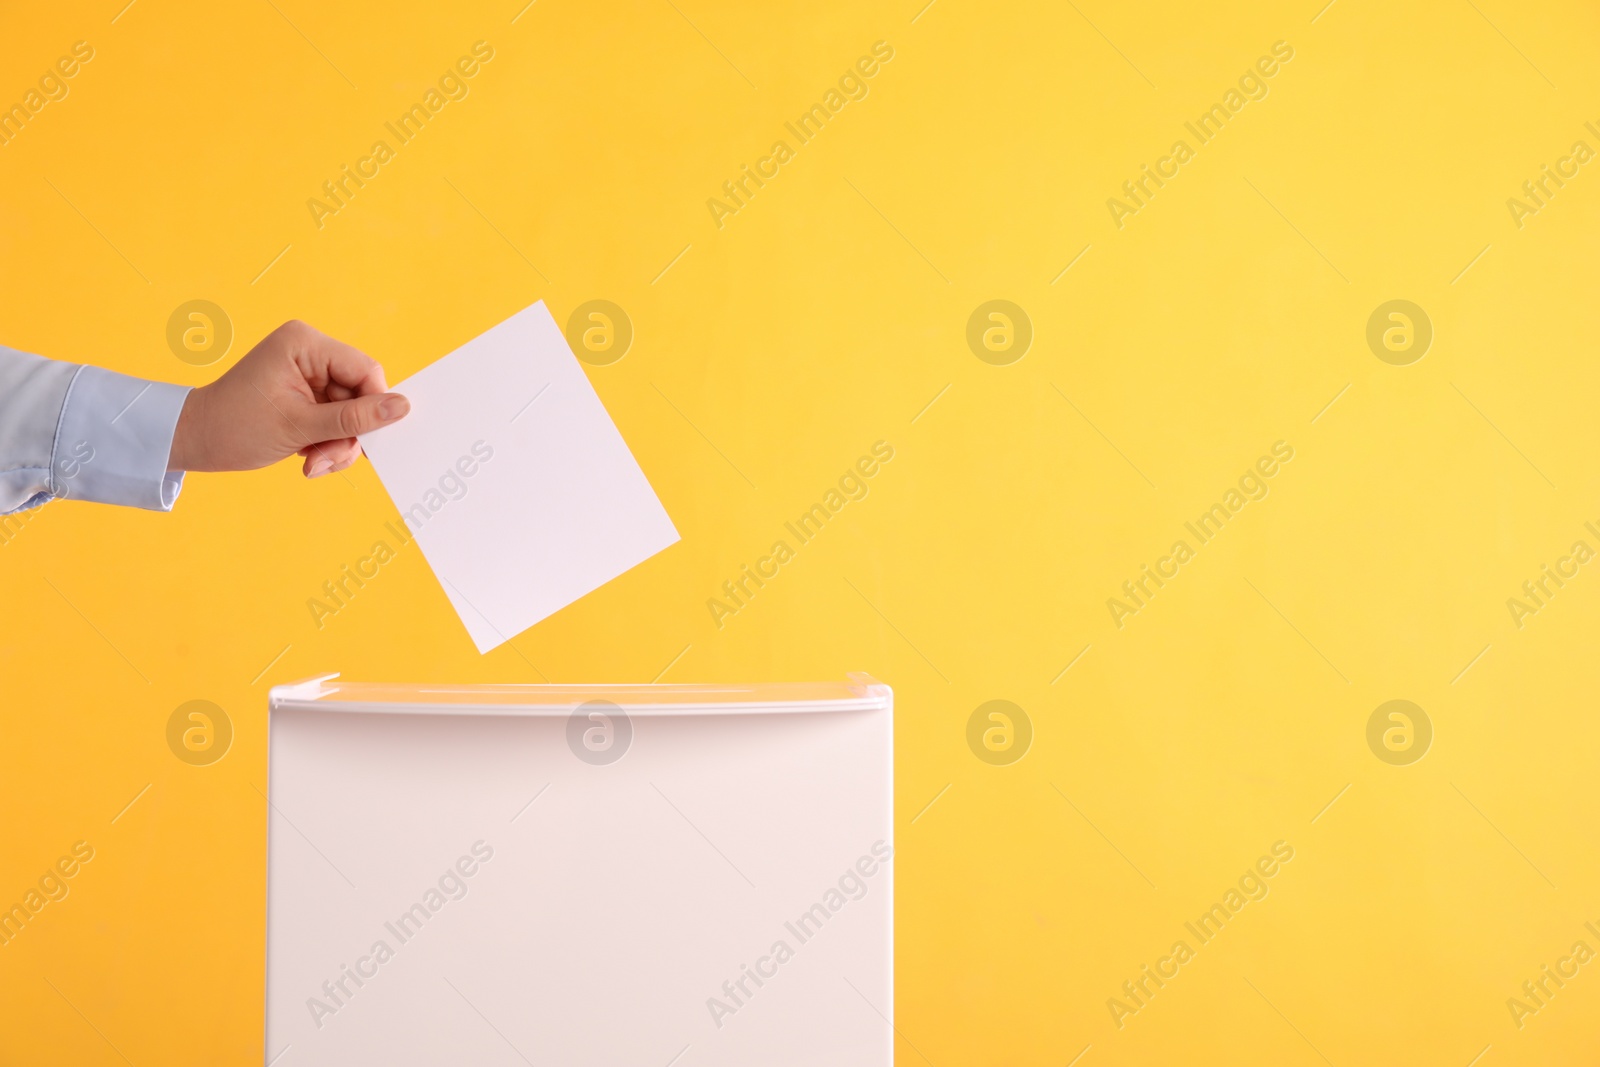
{"points": [[1228, 313]]}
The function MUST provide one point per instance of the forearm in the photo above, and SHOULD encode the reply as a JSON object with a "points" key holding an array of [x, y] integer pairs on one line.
{"points": [[84, 432]]}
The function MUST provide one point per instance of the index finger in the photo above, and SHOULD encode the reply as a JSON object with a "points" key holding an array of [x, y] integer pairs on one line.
{"points": [[327, 362]]}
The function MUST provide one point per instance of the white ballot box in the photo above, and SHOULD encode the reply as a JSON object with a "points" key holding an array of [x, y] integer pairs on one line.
{"points": [[580, 875]]}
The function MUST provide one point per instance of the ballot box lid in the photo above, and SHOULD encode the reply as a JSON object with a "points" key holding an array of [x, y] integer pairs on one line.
{"points": [[859, 692]]}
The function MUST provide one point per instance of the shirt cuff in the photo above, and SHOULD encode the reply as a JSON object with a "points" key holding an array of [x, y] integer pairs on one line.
{"points": [[114, 439]]}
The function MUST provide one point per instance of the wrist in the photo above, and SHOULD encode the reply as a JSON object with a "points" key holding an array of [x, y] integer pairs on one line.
{"points": [[185, 434]]}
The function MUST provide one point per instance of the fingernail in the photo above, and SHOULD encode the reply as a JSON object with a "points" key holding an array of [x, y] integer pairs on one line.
{"points": [[320, 466], [392, 407]]}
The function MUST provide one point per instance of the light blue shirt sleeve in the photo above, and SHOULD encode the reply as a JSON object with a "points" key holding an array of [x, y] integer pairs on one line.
{"points": [[69, 430]]}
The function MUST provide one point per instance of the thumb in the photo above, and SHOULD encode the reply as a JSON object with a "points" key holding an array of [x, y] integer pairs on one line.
{"points": [[339, 419]]}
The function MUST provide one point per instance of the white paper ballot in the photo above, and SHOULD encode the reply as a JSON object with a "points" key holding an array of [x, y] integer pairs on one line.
{"points": [[520, 491]]}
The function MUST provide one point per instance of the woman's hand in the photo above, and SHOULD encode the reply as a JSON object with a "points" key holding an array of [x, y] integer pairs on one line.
{"points": [[298, 391]]}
